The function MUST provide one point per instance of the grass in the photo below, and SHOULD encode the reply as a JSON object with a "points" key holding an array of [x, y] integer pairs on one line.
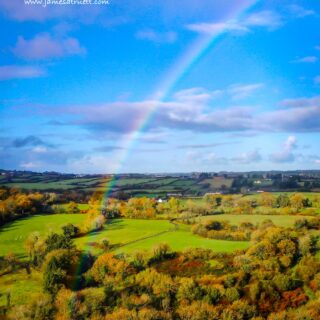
{"points": [[133, 235], [128, 235], [22, 287], [217, 182], [278, 220], [183, 239], [310, 195], [133, 181], [122, 231], [14, 234], [41, 183]]}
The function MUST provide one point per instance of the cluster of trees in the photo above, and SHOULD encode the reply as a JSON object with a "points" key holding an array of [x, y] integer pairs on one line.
{"points": [[15, 204], [143, 208], [37, 246], [266, 203], [278, 277], [223, 230]]}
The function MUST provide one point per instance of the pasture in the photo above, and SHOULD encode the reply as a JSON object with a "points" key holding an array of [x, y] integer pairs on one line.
{"points": [[125, 235], [14, 234], [236, 219]]}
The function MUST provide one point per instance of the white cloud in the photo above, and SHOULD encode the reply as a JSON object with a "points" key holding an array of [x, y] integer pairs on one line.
{"points": [[300, 12], [205, 158], [191, 110], [40, 149], [263, 19], [217, 28], [301, 102], [291, 143], [286, 153], [20, 72], [30, 165], [249, 157], [307, 59], [94, 164], [239, 91], [266, 18], [45, 46]]}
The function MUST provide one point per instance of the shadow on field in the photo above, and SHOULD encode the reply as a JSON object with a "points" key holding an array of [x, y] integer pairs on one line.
{"points": [[115, 224], [11, 225]]}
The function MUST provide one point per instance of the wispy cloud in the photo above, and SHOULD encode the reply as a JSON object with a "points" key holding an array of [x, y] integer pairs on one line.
{"points": [[157, 36], [30, 165], [307, 59], [20, 72], [204, 145], [263, 19], [248, 157], [197, 115], [301, 102], [239, 91], [300, 12], [45, 46]]}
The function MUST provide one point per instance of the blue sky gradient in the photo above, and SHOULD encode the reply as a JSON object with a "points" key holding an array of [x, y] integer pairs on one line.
{"points": [[146, 86]]}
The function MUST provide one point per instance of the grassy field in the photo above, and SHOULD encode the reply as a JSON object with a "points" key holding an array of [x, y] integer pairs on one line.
{"points": [[22, 287], [13, 234], [181, 239], [126, 235], [217, 182], [309, 195], [133, 235], [278, 220]]}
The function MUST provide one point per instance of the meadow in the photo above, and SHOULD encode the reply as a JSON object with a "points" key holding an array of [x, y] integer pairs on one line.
{"points": [[138, 186], [236, 219], [14, 234], [125, 235]]}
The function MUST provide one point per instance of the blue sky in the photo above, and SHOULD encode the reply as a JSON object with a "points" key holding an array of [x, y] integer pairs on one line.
{"points": [[160, 86]]}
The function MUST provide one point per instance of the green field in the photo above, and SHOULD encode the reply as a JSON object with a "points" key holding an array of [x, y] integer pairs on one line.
{"points": [[309, 195], [13, 234], [22, 287], [132, 235], [235, 219], [124, 234], [217, 182]]}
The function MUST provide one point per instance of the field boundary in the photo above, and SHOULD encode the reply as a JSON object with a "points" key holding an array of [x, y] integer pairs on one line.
{"points": [[175, 228]]}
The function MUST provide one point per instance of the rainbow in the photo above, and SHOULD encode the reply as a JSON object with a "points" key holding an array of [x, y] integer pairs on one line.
{"points": [[194, 53], [176, 73]]}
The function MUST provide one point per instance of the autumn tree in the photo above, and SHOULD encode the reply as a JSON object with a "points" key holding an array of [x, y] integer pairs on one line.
{"points": [[73, 208]]}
